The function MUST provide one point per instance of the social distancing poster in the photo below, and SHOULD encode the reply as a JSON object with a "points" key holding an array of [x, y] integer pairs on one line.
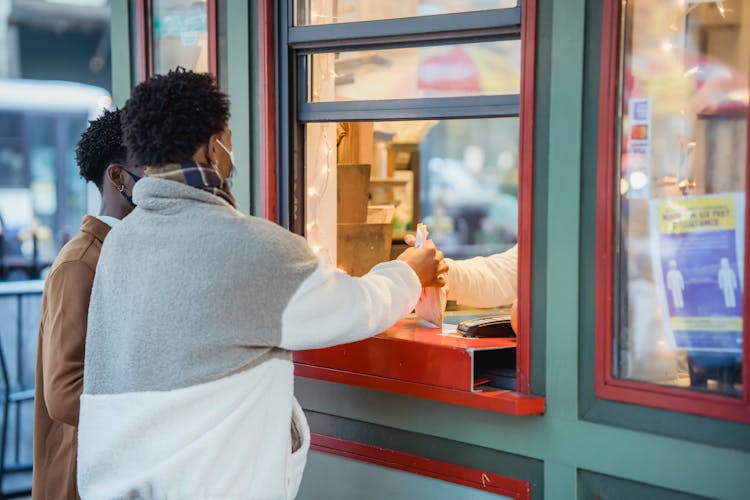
{"points": [[697, 250]]}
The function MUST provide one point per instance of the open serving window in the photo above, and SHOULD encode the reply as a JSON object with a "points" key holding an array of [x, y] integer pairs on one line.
{"points": [[395, 113]]}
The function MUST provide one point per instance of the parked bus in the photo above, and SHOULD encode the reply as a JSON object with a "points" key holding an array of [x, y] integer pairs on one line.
{"points": [[42, 197]]}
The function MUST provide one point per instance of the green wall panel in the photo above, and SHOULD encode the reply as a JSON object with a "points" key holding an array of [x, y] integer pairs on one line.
{"points": [[592, 486], [541, 182], [428, 446], [563, 194], [355, 480], [559, 442]]}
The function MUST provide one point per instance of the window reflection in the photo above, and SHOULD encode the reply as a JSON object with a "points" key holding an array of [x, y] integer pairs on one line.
{"points": [[488, 68], [180, 35], [42, 199], [347, 11]]}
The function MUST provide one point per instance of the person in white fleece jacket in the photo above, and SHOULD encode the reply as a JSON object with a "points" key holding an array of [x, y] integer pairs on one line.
{"points": [[195, 307]]}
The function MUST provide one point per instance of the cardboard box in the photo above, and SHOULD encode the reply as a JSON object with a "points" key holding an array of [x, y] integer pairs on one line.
{"points": [[361, 245], [353, 186]]}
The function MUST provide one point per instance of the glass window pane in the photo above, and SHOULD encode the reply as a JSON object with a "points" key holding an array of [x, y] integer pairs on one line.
{"points": [[472, 69], [44, 169], [12, 172], [682, 168], [76, 201], [310, 12], [180, 35], [369, 183], [57, 193]]}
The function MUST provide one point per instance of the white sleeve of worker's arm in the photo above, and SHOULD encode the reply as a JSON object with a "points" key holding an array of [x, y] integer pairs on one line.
{"points": [[331, 307], [484, 281]]}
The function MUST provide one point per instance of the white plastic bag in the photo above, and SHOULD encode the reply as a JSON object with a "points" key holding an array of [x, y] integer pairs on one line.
{"points": [[432, 301]]}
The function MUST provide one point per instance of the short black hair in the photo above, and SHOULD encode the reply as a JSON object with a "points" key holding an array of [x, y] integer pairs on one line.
{"points": [[168, 117], [100, 146]]}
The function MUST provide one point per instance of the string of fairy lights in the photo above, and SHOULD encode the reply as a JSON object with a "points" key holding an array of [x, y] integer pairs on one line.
{"points": [[319, 173], [317, 188]]}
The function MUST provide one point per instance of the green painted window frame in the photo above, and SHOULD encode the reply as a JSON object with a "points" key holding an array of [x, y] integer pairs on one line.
{"points": [[694, 428]]}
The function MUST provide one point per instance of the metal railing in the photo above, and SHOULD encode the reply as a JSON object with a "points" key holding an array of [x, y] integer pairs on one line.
{"points": [[20, 308]]}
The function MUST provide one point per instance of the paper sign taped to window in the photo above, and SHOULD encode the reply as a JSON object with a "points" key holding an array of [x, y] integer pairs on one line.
{"points": [[697, 255]]}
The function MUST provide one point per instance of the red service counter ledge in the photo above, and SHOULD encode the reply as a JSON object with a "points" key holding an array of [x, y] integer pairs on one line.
{"points": [[412, 359]]}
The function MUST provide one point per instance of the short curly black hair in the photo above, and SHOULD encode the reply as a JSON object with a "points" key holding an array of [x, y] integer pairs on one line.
{"points": [[168, 117], [100, 146]]}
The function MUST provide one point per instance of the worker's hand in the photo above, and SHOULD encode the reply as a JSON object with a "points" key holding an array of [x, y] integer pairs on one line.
{"points": [[428, 262], [410, 240]]}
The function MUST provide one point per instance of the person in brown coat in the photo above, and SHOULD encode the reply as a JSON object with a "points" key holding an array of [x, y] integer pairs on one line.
{"points": [[65, 303]]}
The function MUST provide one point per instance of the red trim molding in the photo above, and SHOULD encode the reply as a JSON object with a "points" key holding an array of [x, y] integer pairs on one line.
{"points": [[606, 385], [267, 77], [526, 194], [501, 401], [142, 16], [211, 34], [745, 294], [414, 464], [605, 191]]}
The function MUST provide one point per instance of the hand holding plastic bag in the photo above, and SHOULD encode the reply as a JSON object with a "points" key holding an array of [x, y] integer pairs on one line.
{"points": [[432, 301]]}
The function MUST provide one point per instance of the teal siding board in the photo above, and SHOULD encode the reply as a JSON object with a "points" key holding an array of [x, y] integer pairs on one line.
{"points": [[424, 445], [541, 206], [592, 486], [375, 482]]}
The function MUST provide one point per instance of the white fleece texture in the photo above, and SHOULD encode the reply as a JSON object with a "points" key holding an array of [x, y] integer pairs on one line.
{"points": [[167, 445], [331, 308]]}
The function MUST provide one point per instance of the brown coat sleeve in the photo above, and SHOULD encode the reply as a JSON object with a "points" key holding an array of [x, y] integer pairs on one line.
{"points": [[64, 339]]}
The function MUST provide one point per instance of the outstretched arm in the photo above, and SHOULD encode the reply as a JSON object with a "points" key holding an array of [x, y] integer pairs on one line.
{"points": [[332, 308], [484, 281]]}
